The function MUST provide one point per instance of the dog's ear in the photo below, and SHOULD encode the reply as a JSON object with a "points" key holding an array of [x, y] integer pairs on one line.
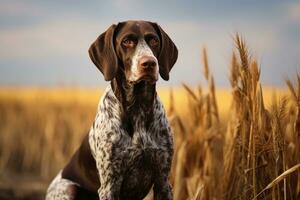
{"points": [[168, 53], [103, 54]]}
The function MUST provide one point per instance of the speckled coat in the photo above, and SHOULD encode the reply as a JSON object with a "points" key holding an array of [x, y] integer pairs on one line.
{"points": [[127, 166]]}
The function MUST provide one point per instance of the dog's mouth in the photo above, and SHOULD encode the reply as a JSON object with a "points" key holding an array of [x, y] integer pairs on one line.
{"points": [[150, 79]]}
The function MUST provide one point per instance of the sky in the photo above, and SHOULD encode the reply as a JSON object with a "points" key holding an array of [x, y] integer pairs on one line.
{"points": [[45, 43]]}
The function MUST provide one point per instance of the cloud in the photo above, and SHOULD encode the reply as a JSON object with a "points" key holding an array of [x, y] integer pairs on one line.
{"points": [[12, 9], [293, 12], [217, 37], [124, 4], [68, 37]]}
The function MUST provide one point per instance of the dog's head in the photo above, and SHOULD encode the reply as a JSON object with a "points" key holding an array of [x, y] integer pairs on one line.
{"points": [[139, 49]]}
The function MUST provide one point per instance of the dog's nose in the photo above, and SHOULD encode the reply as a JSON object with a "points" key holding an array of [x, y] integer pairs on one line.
{"points": [[147, 62]]}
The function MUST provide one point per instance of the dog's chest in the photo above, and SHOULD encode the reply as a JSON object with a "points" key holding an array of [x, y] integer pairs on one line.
{"points": [[140, 154], [144, 147], [141, 160]]}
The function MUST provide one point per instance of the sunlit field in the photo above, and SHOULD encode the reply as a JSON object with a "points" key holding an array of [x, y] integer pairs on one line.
{"points": [[241, 142]]}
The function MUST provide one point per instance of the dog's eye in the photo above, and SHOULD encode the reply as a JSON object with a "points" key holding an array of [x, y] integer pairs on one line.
{"points": [[154, 42], [129, 43]]}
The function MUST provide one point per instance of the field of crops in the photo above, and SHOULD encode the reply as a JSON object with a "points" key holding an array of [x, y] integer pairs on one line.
{"points": [[237, 143]]}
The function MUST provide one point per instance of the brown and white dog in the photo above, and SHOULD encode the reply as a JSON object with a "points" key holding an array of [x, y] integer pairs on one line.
{"points": [[129, 147]]}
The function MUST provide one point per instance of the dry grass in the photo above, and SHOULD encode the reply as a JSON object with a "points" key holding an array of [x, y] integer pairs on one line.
{"points": [[242, 143], [254, 155]]}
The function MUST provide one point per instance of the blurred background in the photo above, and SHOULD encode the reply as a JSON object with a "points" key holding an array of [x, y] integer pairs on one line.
{"points": [[230, 106], [45, 43]]}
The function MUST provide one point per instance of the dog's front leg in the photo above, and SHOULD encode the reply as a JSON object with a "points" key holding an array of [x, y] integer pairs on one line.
{"points": [[109, 161], [162, 188], [163, 158]]}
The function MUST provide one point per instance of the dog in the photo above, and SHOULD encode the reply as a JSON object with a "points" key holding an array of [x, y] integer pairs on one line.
{"points": [[129, 147]]}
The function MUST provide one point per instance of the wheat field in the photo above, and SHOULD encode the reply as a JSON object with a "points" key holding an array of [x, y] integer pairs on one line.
{"points": [[237, 143]]}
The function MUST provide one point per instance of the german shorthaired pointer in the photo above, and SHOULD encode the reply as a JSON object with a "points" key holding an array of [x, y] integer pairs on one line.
{"points": [[129, 148]]}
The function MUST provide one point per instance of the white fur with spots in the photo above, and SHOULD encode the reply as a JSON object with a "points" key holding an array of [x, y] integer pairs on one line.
{"points": [[120, 158]]}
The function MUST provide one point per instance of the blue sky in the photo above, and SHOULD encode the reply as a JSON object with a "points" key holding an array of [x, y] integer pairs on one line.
{"points": [[45, 43]]}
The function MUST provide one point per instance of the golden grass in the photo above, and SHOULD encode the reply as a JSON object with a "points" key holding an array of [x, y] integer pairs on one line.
{"points": [[236, 143], [256, 149]]}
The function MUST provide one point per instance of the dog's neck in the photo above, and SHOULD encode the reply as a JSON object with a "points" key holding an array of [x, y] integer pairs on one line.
{"points": [[135, 99]]}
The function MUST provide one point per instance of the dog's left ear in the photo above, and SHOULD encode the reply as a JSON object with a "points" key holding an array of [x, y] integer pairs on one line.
{"points": [[103, 54], [168, 53]]}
